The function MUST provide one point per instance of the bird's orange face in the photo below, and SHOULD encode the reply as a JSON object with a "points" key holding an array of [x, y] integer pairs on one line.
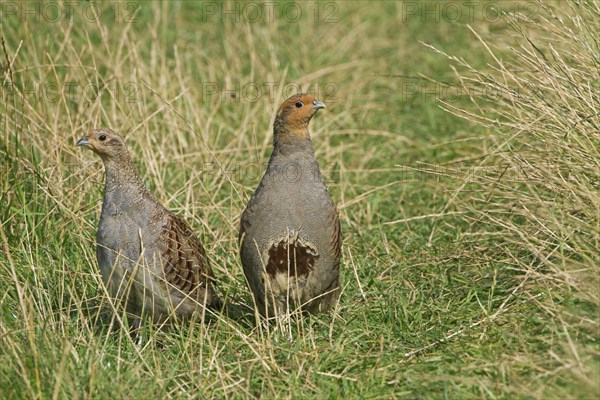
{"points": [[296, 112], [104, 142]]}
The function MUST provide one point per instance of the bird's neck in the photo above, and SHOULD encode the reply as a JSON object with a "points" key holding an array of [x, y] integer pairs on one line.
{"points": [[289, 141], [293, 160], [121, 177]]}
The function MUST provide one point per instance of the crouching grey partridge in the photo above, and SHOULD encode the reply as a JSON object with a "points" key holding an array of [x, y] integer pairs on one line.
{"points": [[290, 236], [150, 260]]}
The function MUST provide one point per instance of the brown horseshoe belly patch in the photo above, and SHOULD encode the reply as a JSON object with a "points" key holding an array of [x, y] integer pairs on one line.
{"points": [[301, 258]]}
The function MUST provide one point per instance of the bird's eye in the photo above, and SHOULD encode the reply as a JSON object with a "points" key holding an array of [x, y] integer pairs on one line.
{"points": [[299, 104], [102, 138]]}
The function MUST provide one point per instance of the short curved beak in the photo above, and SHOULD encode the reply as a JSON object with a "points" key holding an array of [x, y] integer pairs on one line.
{"points": [[317, 105], [83, 142]]}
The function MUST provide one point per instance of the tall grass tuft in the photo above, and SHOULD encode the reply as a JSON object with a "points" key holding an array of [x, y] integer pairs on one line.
{"points": [[538, 203]]}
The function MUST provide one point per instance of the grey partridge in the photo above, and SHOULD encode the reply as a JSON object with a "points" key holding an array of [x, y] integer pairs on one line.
{"points": [[290, 236], [150, 260]]}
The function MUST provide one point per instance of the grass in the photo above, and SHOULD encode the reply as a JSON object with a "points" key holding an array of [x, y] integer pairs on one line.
{"points": [[462, 153]]}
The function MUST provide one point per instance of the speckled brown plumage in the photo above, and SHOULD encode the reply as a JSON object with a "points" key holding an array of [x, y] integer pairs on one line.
{"points": [[185, 263], [149, 258], [290, 236]]}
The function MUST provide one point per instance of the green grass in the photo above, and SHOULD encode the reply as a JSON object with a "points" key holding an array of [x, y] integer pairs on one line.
{"points": [[471, 223]]}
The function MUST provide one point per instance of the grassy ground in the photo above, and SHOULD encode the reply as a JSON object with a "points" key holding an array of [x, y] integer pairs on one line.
{"points": [[462, 151]]}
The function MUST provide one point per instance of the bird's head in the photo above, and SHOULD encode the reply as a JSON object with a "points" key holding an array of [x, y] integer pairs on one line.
{"points": [[104, 142], [295, 113]]}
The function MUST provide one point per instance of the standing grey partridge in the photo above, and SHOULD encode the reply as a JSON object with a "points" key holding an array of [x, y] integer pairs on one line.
{"points": [[150, 260], [290, 230]]}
